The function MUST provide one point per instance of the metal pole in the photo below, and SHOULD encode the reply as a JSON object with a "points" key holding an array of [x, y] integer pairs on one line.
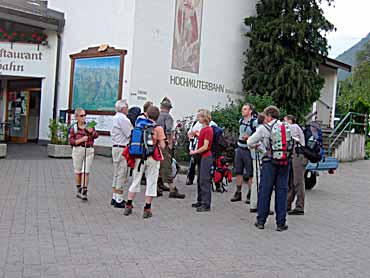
{"points": [[366, 132]]}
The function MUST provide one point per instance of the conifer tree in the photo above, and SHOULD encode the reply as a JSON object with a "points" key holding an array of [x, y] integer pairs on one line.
{"points": [[287, 45]]}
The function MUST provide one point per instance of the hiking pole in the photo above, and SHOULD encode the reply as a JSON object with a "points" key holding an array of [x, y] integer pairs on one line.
{"points": [[257, 165], [84, 172]]}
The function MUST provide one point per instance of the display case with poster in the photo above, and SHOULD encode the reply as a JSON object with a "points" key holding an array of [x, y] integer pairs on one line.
{"points": [[96, 83]]}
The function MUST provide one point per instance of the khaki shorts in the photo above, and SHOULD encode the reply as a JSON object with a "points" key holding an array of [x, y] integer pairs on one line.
{"points": [[78, 157]]}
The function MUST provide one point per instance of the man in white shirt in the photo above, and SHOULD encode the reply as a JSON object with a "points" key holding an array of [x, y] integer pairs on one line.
{"points": [[121, 132]]}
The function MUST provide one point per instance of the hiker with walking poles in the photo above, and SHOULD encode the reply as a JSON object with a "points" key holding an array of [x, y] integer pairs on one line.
{"points": [[81, 138], [276, 137]]}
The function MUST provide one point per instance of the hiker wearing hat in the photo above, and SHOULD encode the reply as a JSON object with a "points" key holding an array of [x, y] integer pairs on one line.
{"points": [[121, 132], [165, 120]]}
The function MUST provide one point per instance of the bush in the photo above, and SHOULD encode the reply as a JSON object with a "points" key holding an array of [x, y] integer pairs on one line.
{"points": [[182, 141], [58, 132], [225, 117]]}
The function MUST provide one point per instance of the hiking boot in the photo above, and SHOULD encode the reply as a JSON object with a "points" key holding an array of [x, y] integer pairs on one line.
{"points": [[128, 210], [84, 195], [163, 187], [159, 193], [252, 210], [259, 225], [248, 198], [281, 228], [176, 195], [237, 197], [79, 192], [203, 209], [112, 202], [296, 212], [120, 205], [196, 205], [147, 213]]}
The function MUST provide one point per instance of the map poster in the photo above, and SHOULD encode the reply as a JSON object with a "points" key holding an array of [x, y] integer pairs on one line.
{"points": [[96, 83], [187, 35]]}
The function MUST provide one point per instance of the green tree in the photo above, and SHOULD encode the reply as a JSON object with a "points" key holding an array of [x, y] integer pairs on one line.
{"points": [[287, 45], [355, 90]]}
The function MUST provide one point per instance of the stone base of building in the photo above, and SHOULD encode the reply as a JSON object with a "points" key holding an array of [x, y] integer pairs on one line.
{"points": [[59, 151], [3, 150]]}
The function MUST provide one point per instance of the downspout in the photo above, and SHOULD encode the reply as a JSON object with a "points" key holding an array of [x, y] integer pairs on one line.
{"points": [[56, 86]]}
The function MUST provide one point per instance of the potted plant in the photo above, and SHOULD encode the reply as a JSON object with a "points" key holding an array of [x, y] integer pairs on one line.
{"points": [[58, 147]]}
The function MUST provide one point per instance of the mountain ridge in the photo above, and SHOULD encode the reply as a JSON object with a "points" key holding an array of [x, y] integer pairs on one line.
{"points": [[349, 56]]}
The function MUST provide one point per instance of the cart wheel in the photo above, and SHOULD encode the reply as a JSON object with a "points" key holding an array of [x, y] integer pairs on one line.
{"points": [[309, 180]]}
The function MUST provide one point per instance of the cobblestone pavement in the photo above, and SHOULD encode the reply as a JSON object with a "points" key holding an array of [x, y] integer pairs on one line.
{"points": [[46, 232]]}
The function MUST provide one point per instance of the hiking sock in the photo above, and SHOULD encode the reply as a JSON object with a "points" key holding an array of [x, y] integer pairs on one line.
{"points": [[147, 206], [129, 203], [114, 196], [238, 188], [78, 186]]}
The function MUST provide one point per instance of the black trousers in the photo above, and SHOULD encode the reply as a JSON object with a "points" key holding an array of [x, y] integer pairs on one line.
{"points": [[193, 165], [205, 181]]}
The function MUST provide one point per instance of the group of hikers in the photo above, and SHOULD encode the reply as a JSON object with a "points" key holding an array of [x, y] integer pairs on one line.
{"points": [[270, 155]]}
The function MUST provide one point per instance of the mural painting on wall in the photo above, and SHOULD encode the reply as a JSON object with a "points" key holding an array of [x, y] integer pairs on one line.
{"points": [[187, 35], [96, 83]]}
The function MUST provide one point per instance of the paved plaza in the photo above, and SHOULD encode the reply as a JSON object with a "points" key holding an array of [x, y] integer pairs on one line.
{"points": [[46, 232]]}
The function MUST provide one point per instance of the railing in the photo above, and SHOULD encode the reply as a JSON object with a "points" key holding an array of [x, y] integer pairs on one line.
{"points": [[346, 125]]}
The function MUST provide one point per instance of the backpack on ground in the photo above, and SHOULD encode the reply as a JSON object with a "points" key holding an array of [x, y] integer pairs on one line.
{"points": [[219, 143], [312, 150], [141, 142], [281, 143]]}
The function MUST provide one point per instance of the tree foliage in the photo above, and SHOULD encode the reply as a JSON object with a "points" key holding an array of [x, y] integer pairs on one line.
{"points": [[355, 90], [287, 45]]}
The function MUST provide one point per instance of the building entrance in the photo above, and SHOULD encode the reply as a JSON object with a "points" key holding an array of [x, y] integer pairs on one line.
{"points": [[22, 110]]}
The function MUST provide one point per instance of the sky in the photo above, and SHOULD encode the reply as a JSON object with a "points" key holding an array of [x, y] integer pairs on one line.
{"points": [[352, 20]]}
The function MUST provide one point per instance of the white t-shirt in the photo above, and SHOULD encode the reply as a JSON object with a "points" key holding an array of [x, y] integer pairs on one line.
{"points": [[197, 128]]}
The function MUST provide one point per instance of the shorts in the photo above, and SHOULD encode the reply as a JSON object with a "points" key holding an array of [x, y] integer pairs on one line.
{"points": [[78, 157], [151, 170], [243, 163]]}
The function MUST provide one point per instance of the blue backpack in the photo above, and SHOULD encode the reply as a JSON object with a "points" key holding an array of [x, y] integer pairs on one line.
{"points": [[141, 142]]}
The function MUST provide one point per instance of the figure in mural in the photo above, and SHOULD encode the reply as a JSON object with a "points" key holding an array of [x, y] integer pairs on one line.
{"points": [[187, 33]]}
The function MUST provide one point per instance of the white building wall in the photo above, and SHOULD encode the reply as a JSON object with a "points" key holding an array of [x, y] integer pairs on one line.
{"points": [[92, 23], [326, 106], [221, 54]]}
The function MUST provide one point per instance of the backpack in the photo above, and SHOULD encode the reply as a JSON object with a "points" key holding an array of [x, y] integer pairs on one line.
{"points": [[133, 113], [312, 150], [281, 143], [250, 124], [219, 143], [141, 142], [74, 127]]}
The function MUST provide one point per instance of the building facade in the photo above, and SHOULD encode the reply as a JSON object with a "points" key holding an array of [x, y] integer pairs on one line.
{"points": [[188, 50]]}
